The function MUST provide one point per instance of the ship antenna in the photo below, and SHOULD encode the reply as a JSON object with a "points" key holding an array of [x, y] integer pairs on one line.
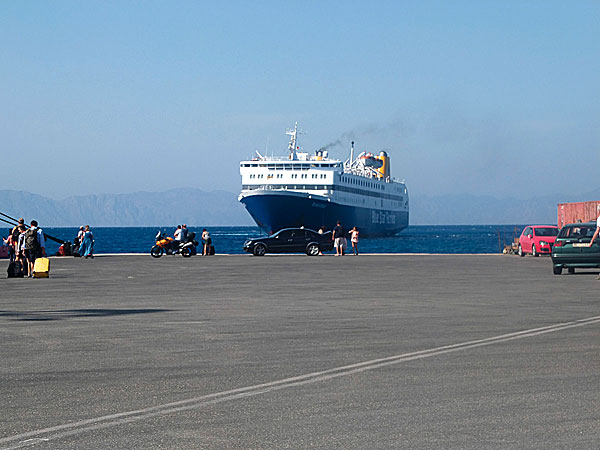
{"points": [[293, 136], [351, 153]]}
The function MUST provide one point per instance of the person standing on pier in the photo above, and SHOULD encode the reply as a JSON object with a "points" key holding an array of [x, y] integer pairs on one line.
{"points": [[321, 231], [354, 240], [20, 249], [178, 235], [206, 242], [35, 245], [14, 235], [338, 237], [87, 243]]}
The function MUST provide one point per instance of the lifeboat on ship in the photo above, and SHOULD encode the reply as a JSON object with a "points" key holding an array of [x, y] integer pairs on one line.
{"points": [[370, 160]]}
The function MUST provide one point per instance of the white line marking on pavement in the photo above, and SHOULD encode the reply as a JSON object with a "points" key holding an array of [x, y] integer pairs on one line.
{"points": [[69, 429], [183, 322]]}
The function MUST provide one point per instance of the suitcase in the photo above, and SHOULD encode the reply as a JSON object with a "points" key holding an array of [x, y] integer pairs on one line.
{"points": [[41, 268], [4, 251], [15, 270]]}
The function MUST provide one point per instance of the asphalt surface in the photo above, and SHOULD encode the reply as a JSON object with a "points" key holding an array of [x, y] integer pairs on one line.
{"points": [[240, 352]]}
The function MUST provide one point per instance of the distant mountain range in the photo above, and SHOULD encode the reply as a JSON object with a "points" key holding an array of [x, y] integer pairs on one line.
{"points": [[176, 206], [202, 208]]}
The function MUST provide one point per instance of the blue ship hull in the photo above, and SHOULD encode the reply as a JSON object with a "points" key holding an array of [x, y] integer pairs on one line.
{"points": [[272, 212]]}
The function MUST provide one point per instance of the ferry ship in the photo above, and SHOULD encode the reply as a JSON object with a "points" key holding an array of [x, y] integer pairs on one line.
{"points": [[315, 191]]}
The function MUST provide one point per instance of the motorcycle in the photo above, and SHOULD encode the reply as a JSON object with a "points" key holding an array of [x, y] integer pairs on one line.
{"points": [[169, 246]]}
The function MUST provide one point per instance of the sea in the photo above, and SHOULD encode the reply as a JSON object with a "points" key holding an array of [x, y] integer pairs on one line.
{"points": [[229, 240]]}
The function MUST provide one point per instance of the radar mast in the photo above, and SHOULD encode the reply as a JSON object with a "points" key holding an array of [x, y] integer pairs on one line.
{"points": [[292, 147]]}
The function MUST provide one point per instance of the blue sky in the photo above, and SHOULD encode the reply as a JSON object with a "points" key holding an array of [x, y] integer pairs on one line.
{"points": [[487, 98]]}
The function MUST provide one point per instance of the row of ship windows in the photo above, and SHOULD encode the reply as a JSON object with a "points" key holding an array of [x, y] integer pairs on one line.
{"points": [[359, 182], [314, 176], [321, 187]]}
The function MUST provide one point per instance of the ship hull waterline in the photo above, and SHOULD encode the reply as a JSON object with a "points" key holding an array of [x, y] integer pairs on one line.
{"points": [[273, 211]]}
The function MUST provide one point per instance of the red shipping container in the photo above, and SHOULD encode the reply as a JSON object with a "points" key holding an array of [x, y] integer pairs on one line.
{"points": [[578, 212]]}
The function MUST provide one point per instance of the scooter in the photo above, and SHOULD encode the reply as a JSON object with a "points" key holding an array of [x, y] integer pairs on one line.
{"points": [[169, 246]]}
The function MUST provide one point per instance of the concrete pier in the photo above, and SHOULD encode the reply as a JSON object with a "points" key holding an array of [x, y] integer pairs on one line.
{"points": [[240, 352]]}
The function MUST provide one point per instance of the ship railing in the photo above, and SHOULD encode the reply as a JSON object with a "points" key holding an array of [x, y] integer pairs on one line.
{"points": [[287, 159]]}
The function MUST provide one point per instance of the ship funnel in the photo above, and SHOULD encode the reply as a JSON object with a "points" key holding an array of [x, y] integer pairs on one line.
{"points": [[384, 170]]}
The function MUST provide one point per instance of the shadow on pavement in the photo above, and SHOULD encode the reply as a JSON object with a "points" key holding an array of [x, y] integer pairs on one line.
{"points": [[74, 313]]}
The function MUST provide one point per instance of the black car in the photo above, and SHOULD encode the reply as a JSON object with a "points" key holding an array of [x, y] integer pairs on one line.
{"points": [[571, 248], [291, 240]]}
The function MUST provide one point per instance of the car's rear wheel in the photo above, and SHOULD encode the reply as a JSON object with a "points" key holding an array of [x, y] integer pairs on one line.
{"points": [[571, 270], [534, 251], [259, 250], [312, 250], [520, 251], [557, 270]]}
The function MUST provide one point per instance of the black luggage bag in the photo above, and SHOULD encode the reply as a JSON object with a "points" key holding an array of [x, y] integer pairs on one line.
{"points": [[15, 270]]}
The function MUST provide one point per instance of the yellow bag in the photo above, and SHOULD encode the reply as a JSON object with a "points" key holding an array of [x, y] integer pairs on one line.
{"points": [[41, 268]]}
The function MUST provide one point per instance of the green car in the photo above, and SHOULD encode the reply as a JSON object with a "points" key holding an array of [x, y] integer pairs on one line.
{"points": [[571, 248]]}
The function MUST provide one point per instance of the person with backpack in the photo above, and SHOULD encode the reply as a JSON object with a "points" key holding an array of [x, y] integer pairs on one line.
{"points": [[15, 230], [35, 245]]}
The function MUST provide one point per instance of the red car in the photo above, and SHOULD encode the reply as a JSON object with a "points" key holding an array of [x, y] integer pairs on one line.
{"points": [[537, 239]]}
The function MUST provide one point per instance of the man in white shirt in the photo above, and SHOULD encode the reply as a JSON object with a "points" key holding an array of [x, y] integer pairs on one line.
{"points": [[80, 234], [178, 233]]}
